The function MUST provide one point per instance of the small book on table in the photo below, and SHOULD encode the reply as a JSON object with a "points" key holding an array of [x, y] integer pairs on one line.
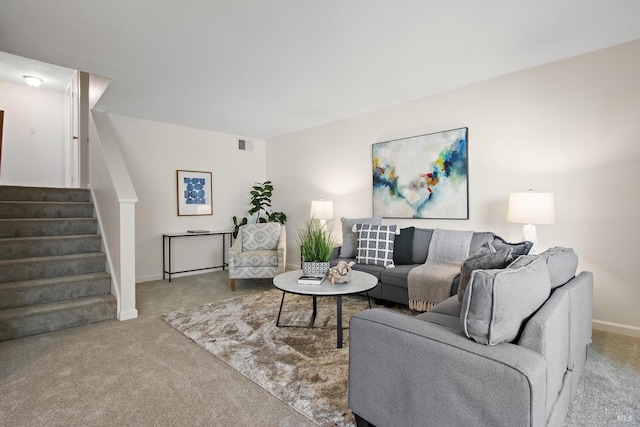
{"points": [[310, 280]]}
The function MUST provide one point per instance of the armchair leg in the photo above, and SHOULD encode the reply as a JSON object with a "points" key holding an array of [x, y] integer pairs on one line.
{"points": [[233, 284]]}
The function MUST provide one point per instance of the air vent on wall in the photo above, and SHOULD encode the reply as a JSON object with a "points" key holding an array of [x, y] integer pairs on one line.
{"points": [[245, 145]]}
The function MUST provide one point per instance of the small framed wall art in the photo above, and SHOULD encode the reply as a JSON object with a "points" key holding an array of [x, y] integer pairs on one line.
{"points": [[194, 193], [424, 176]]}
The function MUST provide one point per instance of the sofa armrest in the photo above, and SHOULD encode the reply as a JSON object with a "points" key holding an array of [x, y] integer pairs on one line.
{"points": [[410, 372]]}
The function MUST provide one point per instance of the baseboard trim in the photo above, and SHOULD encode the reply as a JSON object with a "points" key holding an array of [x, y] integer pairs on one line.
{"points": [[128, 315], [150, 278], [616, 328], [292, 267], [154, 277]]}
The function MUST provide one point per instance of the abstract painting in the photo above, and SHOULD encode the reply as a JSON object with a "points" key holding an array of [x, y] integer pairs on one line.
{"points": [[194, 193], [423, 176]]}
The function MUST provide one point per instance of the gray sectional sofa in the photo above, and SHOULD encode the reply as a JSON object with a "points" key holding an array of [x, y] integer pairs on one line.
{"points": [[510, 354], [410, 251]]}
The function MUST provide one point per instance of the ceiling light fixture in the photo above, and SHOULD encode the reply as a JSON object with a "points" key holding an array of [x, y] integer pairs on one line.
{"points": [[32, 81]]}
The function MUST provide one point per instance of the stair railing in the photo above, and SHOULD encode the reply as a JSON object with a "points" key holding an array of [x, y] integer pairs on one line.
{"points": [[114, 198]]}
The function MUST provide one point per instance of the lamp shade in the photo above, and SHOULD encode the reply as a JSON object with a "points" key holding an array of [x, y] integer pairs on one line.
{"points": [[321, 209], [531, 208]]}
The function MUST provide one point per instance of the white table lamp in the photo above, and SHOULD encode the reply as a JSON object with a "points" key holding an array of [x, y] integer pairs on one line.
{"points": [[321, 210], [531, 208]]}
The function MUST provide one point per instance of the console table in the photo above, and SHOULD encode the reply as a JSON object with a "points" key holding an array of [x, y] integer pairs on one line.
{"points": [[170, 236]]}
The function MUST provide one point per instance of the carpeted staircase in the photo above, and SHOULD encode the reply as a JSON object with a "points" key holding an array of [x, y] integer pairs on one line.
{"points": [[52, 270]]}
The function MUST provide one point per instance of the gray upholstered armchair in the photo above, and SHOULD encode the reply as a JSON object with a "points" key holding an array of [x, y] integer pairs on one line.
{"points": [[259, 251]]}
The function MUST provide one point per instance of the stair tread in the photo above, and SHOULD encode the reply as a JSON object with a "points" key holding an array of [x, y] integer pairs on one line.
{"points": [[31, 310], [53, 257], [54, 280], [80, 218], [44, 202], [22, 193], [58, 237]]}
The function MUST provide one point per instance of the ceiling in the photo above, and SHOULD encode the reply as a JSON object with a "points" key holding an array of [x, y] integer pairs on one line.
{"points": [[264, 68]]}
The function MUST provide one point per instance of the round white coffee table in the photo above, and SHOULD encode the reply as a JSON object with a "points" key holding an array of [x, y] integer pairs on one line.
{"points": [[360, 282]]}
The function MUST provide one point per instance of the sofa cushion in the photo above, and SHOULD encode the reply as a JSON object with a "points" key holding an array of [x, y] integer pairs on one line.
{"points": [[483, 259], [562, 264], [349, 238], [421, 242], [450, 306], [520, 248], [375, 270], [403, 247], [452, 322], [498, 302], [396, 276], [375, 244], [259, 237]]}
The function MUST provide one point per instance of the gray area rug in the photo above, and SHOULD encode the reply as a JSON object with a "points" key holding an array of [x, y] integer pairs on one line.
{"points": [[300, 366], [303, 368]]}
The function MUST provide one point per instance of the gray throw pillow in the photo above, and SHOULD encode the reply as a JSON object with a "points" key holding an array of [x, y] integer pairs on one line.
{"points": [[349, 238], [520, 248], [483, 259], [562, 263], [497, 303], [421, 242]]}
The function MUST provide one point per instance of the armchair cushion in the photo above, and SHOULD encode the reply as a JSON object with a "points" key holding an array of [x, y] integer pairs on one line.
{"points": [[259, 258], [256, 237]]}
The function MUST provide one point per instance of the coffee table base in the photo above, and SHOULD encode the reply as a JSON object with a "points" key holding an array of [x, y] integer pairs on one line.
{"points": [[315, 312]]}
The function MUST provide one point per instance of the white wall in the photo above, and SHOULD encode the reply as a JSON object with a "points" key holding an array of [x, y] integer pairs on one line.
{"points": [[153, 152], [570, 127], [33, 141]]}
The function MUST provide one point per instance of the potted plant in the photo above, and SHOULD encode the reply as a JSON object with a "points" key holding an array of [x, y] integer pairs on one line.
{"points": [[316, 246], [261, 206]]}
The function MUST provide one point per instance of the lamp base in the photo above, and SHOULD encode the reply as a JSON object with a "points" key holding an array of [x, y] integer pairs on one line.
{"points": [[529, 233]]}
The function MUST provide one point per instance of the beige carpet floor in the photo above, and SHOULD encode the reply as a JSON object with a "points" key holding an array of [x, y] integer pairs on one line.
{"points": [[143, 372], [140, 372]]}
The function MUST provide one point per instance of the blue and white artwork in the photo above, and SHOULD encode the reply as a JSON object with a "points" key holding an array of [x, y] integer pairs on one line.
{"points": [[423, 176], [194, 193]]}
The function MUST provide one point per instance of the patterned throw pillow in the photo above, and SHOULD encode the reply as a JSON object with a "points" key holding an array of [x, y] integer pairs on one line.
{"points": [[375, 244]]}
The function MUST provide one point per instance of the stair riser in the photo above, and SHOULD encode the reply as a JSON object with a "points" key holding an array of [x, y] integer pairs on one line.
{"points": [[41, 268], [44, 293], [47, 227], [24, 326], [45, 210], [44, 194], [38, 247]]}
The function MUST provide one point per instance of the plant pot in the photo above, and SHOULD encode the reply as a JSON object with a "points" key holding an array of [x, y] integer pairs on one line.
{"points": [[315, 268]]}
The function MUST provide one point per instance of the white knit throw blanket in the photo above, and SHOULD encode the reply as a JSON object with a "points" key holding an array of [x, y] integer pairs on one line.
{"points": [[430, 283]]}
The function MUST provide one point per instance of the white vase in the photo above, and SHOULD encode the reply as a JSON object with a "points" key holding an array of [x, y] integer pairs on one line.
{"points": [[315, 268]]}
